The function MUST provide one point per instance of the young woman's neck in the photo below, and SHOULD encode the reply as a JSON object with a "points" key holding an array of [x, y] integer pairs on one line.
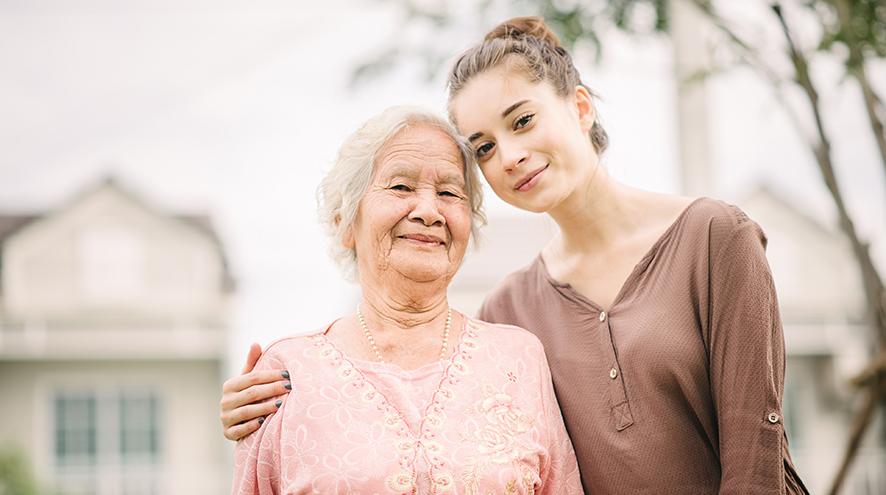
{"points": [[595, 214]]}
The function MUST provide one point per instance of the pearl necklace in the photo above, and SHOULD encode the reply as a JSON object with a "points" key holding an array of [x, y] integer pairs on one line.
{"points": [[375, 348]]}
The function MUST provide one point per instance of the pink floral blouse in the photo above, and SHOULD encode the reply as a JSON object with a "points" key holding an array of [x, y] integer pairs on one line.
{"points": [[486, 421]]}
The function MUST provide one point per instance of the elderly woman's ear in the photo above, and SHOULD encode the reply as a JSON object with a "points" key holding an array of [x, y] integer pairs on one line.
{"points": [[347, 237]]}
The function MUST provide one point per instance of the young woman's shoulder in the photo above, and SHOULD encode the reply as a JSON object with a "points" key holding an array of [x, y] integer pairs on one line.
{"points": [[721, 220], [510, 292], [725, 231], [718, 211]]}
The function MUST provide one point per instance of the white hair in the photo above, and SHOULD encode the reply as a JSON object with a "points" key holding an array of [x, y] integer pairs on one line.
{"points": [[341, 190]]}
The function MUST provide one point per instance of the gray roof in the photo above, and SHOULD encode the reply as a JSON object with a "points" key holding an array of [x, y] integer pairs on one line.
{"points": [[11, 223]]}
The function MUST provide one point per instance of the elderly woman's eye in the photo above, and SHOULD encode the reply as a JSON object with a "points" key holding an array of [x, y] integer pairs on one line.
{"points": [[448, 193], [484, 149], [401, 187], [523, 120]]}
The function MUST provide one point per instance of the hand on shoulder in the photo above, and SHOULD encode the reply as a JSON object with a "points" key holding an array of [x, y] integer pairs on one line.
{"points": [[245, 401]]}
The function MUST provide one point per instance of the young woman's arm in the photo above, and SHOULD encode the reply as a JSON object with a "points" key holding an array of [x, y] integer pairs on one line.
{"points": [[747, 363]]}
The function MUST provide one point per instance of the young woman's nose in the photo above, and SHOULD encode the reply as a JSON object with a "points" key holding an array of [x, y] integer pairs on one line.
{"points": [[425, 209], [512, 155]]}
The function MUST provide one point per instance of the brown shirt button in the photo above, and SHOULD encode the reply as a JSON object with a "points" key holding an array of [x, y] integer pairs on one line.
{"points": [[602, 316], [613, 373], [773, 418]]}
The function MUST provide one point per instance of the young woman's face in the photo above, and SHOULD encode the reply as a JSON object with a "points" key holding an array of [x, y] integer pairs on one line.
{"points": [[532, 144]]}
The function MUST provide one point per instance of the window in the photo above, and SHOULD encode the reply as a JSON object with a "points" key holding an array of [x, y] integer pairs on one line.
{"points": [[138, 427], [75, 430], [107, 442]]}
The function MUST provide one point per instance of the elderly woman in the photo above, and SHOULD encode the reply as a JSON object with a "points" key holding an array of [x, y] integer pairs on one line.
{"points": [[407, 395]]}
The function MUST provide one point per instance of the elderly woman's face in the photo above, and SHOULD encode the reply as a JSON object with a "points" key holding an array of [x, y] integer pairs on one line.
{"points": [[415, 218]]}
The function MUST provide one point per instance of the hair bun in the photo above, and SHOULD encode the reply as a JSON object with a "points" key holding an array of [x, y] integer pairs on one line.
{"points": [[519, 27]]}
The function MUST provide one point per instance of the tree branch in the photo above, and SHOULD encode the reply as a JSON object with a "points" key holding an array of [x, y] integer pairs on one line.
{"points": [[857, 70], [821, 149], [860, 424], [871, 279], [873, 285]]}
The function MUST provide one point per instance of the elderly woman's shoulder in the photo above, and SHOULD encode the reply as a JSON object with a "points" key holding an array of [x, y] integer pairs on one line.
{"points": [[502, 332], [285, 347]]}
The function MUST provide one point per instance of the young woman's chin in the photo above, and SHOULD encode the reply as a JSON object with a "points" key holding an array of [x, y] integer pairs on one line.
{"points": [[531, 207], [540, 201]]}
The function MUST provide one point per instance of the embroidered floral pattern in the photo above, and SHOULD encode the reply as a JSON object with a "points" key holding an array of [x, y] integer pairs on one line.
{"points": [[360, 429]]}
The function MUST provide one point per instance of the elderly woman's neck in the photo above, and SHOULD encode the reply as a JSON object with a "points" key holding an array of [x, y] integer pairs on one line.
{"points": [[402, 310]]}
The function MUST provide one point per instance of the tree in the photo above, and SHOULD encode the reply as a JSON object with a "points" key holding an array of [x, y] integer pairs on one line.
{"points": [[854, 30], [15, 477]]}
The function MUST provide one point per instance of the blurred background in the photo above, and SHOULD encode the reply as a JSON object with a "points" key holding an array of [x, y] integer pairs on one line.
{"points": [[158, 167]]}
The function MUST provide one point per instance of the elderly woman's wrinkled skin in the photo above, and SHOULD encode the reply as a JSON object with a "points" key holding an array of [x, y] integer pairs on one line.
{"points": [[414, 221], [410, 235]]}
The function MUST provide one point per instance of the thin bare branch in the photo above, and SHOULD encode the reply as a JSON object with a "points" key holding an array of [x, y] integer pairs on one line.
{"points": [[821, 149], [856, 64], [871, 102], [860, 423], [872, 283]]}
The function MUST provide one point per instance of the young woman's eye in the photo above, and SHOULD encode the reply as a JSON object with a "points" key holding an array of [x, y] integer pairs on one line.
{"points": [[523, 120], [484, 149]]}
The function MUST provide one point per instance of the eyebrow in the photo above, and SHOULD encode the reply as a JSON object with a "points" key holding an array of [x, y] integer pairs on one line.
{"points": [[399, 170], [406, 172], [454, 179], [504, 114], [512, 108]]}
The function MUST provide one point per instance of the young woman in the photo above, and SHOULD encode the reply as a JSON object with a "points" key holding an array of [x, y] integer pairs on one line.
{"points": [[658, 313]]}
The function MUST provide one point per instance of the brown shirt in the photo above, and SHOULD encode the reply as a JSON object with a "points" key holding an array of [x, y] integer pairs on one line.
{"points": [[677, 388]]}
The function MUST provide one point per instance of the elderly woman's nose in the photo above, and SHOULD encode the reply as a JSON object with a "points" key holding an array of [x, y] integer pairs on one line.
{"points": [[425, 208]]}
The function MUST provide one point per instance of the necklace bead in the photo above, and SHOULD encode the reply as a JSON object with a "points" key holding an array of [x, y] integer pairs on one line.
{"points": [[374, 347]]}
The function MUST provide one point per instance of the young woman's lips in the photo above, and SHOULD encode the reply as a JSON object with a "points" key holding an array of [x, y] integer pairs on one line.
{"points": [[424, 240], [531, 179]]}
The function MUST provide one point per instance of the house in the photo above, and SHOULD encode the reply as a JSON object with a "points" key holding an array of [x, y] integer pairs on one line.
{"points": [[113, 327]]}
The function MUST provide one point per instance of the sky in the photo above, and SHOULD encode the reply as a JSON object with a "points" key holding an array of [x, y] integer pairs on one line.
{"points": [[236, 109]]}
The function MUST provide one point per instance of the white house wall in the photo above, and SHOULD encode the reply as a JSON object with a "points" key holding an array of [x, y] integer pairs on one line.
{"points": [[177, 268]]}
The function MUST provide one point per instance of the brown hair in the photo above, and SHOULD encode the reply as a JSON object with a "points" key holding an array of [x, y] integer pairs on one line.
{"points": [[535, 50]]}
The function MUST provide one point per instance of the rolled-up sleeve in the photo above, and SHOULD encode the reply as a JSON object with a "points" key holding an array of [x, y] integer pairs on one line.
{"points": [[747, 363]]}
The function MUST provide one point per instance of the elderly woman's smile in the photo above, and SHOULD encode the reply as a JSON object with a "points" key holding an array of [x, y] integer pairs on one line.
{"points": [[415, 218], [424, 240]]}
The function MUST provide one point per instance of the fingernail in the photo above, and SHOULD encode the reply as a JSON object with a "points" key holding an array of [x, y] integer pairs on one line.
{"points": [[288, 386], [285, 374], [279, 402], [261, 420]]}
